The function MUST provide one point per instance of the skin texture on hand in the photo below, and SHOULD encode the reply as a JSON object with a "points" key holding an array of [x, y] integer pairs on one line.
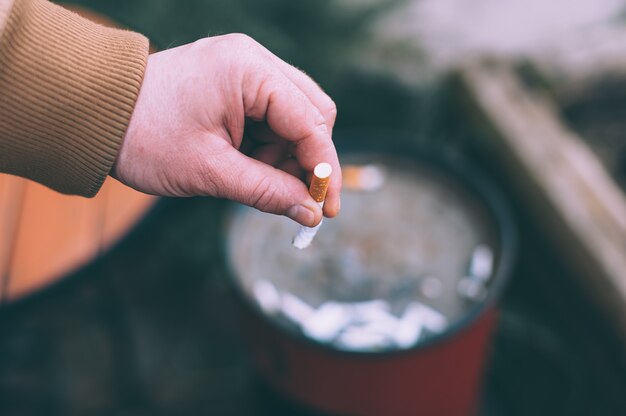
{"points": [[225, 117]]}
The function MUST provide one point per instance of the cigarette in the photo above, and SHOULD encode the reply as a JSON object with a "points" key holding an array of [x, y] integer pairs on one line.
{"points": [[365, 178], [294, 308], [327, 321], [267, 296], [430, 318], [481, 264], [409, 330], [318, 188], [360, 338]]}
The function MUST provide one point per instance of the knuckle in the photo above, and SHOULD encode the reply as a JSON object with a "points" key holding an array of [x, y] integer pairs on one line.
{"points": [[247, 53], [204, 43], [209, 184], [331, 109], [228, 43], [207, 179], [264, 195], [320, 123], [242, 39]]}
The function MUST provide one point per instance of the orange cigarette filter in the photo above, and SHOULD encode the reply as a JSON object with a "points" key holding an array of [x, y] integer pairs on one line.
{"points": [[320, 180], [352, 177], [362, 177]]}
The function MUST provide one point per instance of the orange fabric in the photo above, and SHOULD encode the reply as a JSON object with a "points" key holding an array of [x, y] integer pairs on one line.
{"points": [[52, 234]]}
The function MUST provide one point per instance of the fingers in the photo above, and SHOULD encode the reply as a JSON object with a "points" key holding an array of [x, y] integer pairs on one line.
{"points": [[278, 155], [291, 115], [264, 187], [310, 88], [271, 154], [261, 133]]}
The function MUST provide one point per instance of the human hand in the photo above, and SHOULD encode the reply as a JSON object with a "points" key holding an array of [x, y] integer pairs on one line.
{"points": [[202, 105]]}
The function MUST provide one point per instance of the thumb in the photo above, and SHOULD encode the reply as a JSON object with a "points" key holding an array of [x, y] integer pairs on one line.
{"points": [[267, 189]]}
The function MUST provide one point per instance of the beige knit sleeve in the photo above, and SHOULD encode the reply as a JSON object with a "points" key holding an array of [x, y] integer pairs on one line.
{"points": [[67, 91]]}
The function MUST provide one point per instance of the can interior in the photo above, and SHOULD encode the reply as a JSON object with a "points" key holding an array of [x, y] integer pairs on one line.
{"points": [[410, 240]]}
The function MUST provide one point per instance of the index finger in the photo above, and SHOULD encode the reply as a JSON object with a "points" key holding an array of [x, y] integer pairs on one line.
{"points": [[310, 88], [292, 116]]}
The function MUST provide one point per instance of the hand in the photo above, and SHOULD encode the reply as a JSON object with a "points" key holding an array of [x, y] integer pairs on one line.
{"points": [[202, 104]]}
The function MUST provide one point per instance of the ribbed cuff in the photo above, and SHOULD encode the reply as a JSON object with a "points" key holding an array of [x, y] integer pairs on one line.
{"points": [[67, 91]]}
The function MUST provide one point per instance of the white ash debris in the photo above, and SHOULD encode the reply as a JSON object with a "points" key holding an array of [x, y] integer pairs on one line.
{"points": [[481, 263], [480, 271], [366, 326]]}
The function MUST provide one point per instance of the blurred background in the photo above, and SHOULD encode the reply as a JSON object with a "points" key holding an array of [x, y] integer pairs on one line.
{"points": [[533, 92]]}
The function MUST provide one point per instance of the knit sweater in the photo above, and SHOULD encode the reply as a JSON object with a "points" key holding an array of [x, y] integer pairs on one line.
{"points": [[67, 92]]}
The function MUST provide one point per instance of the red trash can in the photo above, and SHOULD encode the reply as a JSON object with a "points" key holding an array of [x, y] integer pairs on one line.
{"points": [[441, 373]]}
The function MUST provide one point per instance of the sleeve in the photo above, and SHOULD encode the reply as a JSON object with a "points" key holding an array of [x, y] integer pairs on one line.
{"points": [[67, 92]]}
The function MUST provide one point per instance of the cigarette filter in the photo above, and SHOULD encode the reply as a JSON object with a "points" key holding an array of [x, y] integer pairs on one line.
{"points": [[366, 178], [318, 188]]}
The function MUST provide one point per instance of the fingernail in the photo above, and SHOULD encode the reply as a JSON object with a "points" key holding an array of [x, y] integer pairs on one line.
{"points": [[301, 214]]}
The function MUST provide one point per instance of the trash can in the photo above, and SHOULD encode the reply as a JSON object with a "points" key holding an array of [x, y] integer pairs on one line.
{"points": [[391, 308]]}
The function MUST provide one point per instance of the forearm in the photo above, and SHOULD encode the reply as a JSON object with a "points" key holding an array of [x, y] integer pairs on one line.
{"points": [[68, 88]]}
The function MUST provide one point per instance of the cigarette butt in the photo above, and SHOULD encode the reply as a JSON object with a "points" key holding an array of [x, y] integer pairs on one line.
{"points": [[294, 308], [369, 305], [358, 338], [481, 264], [327, 321], [472, 289], [363, 177], [409, 330], [376, 313], [318, 188], [319, 183], [431, 319], [267, 296]]}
